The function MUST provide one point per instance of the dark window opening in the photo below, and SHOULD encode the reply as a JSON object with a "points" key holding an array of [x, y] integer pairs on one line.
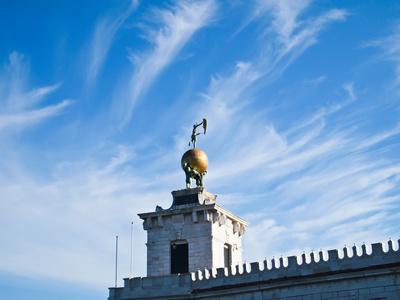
{"points": [[179, 258], [227, 256]]}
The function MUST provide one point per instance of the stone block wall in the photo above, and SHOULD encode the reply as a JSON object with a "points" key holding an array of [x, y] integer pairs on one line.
{"points": [[371, 275], [206, 228], [223, 234]]}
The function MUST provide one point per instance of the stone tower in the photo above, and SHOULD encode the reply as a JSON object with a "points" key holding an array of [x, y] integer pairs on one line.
{"points": [[194, 233]]}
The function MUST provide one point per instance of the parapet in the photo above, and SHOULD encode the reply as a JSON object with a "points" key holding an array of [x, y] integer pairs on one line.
{"points": [[290, 267], [153, 287], [284, 270]]}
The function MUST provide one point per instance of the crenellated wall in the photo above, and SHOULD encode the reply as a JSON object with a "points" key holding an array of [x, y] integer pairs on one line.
{"points": [[373, 274]]}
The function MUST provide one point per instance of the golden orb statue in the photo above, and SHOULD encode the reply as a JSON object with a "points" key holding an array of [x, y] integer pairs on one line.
{"points": [[197, 159]]}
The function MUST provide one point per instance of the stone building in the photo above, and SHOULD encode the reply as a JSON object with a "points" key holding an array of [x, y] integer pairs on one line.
{"points": [[194, 251]]}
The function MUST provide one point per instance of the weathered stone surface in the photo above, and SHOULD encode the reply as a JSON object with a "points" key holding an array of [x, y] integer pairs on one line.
{"points": [[203, 224]]}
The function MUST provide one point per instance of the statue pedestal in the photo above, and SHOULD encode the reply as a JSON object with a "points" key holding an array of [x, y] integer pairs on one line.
{"points": [[192, 196]]}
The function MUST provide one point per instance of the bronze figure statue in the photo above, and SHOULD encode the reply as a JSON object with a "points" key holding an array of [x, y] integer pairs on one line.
{"points": [[192, 173], [195, 133], [195, 162]]}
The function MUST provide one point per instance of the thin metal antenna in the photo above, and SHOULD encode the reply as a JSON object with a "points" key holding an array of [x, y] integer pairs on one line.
{"points": [[116, 259], [131, 248]]}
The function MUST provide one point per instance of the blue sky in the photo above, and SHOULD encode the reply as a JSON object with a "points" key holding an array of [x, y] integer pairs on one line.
{"points": [[97, 102]]}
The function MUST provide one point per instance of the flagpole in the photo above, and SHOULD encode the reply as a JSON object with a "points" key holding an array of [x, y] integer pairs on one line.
{"points": [[131, 248], [116, 259]]}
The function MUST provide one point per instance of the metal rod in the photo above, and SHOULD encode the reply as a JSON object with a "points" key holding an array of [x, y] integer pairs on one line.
{"points": [[116, 259], [131, 249]]}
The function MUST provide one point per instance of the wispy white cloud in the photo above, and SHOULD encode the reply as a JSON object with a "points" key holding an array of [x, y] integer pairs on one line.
{"points": [[71, 218], [316, 81], [26, 118], [228, 96], [295, 44], [382, 136], [391, 50], [285, 15], [287, 37], [19, 102], [288, 31], [177, 27], [103, 37], [309, 206]]}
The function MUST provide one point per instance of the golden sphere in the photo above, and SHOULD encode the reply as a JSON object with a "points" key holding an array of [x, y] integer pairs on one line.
{"points": [[198, 160]]}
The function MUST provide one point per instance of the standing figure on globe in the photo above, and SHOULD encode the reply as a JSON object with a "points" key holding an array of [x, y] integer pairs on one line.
{"points": [[195, 162], [195, 133]]}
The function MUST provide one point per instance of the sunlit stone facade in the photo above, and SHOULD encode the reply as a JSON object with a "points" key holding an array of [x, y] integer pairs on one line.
{"points": [[212, 233]]}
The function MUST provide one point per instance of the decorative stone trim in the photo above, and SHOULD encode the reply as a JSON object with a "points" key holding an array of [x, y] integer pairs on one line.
{"points": [[160, 221], [222, 219], [194, 216]]}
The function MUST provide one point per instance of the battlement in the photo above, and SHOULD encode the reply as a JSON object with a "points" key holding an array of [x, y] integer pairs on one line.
{"points": [[362, 263], [290, 267]]}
